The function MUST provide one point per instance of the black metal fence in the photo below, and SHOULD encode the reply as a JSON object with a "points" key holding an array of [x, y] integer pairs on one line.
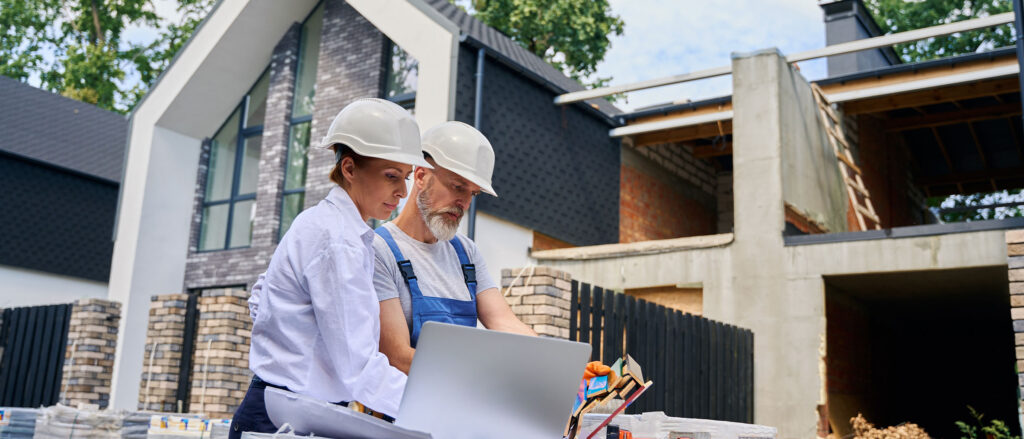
{"points": [[700, 368], [33, 341]]}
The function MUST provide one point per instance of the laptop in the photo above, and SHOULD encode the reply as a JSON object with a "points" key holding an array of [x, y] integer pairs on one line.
{"points": [[474, 383]]}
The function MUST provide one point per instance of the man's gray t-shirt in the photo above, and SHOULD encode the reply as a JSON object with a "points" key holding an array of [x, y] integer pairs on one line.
{"points": [[437, 267]]}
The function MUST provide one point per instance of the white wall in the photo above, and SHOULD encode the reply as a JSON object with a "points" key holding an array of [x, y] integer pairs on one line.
{"points": [[503, 244], [23, 287]]}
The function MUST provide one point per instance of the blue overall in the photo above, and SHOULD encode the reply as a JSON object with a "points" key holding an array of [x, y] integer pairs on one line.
{"points": [[436, 309]]}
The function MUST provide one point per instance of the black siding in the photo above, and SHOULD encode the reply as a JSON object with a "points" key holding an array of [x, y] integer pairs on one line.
{"points": [[556, 169]]}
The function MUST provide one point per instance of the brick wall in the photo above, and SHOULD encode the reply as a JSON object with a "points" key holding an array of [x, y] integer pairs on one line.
{"points": [[242, 266], [723, 195], [656, 203], [1015, 263], [678, 159], [220, 365], [89, 355], [165, 337], [540, 297], [885, 174], [350, 68]]}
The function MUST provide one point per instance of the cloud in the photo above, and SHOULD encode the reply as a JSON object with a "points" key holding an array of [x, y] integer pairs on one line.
{"points": [[665, 38]]}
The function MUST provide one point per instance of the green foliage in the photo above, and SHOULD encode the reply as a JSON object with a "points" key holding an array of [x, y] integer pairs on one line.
{"points": [[903, 15], [76, 47], [995, 430], [571, 35]]}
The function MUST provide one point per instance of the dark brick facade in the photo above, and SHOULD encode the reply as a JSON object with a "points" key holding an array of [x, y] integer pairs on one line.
{"points": [[350, 68], [242, 266], [556, 170]]}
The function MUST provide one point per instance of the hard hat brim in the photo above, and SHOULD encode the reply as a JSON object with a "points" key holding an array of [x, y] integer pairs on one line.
{"points": [[409, 159]]}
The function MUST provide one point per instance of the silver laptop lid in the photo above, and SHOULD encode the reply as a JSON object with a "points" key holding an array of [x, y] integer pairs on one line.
{"points": [[474, 383]]}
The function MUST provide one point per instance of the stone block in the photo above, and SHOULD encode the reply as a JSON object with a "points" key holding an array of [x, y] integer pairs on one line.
{"points": [[1016, 275], [1015, 249], [1017, 300], [1016, 287], [1018, 326], [1015, 236], [1015, 262], [1017, 313]]}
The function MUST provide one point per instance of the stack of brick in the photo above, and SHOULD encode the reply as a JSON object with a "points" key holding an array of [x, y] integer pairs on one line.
{"points": [[162, 361], [540, 297], [89, 353], [1015, 262], [220, 373]]}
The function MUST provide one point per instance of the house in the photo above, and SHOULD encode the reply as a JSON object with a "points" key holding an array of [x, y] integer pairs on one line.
{"points": [[860, 298], [60, 167], [221, 151]]}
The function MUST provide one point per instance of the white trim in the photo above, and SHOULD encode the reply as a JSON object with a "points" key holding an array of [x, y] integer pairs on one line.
{"points": [[430, 38], [660, 125], [922, 84]]}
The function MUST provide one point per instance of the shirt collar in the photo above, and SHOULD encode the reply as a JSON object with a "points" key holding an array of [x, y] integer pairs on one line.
{"points": [[340, 199]]}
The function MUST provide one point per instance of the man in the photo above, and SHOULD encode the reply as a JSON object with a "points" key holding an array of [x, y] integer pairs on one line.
{"points": [[423, 269]]}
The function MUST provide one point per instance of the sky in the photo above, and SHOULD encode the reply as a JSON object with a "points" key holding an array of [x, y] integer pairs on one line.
{"points": [[663, 38], [670, 37]]}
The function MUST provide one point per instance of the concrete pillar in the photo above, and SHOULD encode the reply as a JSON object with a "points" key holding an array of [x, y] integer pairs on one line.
{"points": [[1015, 263], [161, 364], [220, 365], [89, 355], [540, 297], [786, 315]]}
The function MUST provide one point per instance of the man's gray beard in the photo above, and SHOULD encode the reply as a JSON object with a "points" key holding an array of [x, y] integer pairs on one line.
{"points": [[441, 228]]}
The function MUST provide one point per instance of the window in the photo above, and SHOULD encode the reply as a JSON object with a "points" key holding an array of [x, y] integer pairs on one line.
{"points": [[294, 195], [229, 201], [402, 77]]}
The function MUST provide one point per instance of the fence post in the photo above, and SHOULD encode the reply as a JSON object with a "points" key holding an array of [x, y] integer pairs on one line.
{"points": [[89, 357], [161, 365], [540, 297]]}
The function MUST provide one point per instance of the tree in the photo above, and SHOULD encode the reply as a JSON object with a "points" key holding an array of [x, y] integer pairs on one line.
{"points": [[571, 35], [903, 15], [75, 47]]}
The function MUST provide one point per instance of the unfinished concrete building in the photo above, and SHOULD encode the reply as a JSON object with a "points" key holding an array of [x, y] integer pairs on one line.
{"points": [[815, 232]]}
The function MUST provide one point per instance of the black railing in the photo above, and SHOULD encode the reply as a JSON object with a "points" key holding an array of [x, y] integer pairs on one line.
{"points": [[700, 368]]}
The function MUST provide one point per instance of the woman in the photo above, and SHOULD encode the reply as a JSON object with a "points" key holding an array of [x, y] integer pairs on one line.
{"points": [[317, 328]]}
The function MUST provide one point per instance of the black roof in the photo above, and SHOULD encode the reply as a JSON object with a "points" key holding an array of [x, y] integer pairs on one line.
{"points": [[62, 132], [510, 51], [941, 62]]}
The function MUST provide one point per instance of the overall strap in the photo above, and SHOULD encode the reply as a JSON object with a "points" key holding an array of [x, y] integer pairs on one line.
{"points": [[468, 269], [404, 265]]}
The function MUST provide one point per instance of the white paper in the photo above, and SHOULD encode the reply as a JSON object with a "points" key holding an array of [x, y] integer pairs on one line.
{"points": [[311, 416]]}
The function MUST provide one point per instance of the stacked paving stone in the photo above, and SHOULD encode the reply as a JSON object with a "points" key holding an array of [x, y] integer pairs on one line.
{"points": [[1015, 262], [89, 356], [161, 363], [220, 373], [540, 297]]}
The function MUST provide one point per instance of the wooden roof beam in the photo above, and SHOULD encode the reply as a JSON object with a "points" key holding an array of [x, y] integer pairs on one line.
{"points": [[952, 117], [932, 96], [963, 177]]}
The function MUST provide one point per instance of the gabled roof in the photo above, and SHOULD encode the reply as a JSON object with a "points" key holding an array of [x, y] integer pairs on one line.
{"points": [[62, 132], [514, 53]]}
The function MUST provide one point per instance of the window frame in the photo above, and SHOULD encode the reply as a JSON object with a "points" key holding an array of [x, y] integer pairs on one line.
{"points": [[233, 198]]}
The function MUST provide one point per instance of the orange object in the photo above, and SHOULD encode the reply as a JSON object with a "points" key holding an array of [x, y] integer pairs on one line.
{"points": [[595, 369]]}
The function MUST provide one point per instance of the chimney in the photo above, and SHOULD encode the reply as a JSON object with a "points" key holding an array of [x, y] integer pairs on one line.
{"points": [[849, 20]]}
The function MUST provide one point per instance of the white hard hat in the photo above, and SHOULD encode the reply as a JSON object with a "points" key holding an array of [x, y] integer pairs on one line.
{"points": [[463, 150], [377, 128]]}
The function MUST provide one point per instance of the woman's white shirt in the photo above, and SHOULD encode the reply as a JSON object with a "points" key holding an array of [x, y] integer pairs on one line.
{"points": [[317, 329]]}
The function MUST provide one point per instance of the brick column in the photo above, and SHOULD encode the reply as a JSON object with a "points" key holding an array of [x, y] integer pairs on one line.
{"points": [[161, 363], [540, 297], [1015, 263], [220, 372], [89, 353]]}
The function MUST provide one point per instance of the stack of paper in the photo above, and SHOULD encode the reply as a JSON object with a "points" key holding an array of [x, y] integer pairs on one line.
{"points": [[17, 423]]}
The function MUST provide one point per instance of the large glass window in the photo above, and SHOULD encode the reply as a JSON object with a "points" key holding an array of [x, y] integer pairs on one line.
{"points": [[402, 77], [294, 195], [229, 201]]}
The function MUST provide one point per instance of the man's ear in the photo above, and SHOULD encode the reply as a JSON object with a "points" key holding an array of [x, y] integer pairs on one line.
{"points": [[419, 177]]}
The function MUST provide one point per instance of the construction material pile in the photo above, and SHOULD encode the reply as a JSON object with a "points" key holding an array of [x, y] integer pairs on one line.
{"points": [[862, 429], [620, 382], [178, 426], [17, 423]]}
